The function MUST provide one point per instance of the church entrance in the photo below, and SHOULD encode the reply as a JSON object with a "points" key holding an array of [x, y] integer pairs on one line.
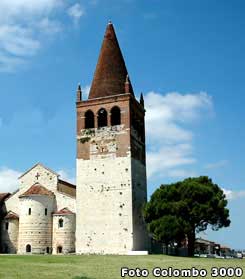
{"points": [[28, 248], [59, 250]]}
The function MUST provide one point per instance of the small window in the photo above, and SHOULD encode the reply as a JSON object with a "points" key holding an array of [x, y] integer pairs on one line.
{"points": [[115, 116], [28, 248], [46, 211], [61, 223], [89, 119], [29, 211], [6, 226], [102, 118]]}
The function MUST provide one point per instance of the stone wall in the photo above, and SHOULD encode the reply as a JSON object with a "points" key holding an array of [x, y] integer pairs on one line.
{"points": [[12, 203], [9, 239], [63, 200], [104, 206], [64, 237], [66, 188], [110, 193], [35, 229], [140, 236], [39, 174], [104, 190]]}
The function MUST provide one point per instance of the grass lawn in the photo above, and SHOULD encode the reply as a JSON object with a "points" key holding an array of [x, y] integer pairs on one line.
{"points": [[100, 267]]}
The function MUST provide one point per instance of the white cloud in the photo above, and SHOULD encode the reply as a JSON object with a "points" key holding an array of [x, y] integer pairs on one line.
{"points": [[8, 180], [170, 141], [49, 26], [17, 8], [164, 161], [217, 165], [10, 63], [16, 44], [85, 91], [180, 173], [23, 26], [166, 114], [233, 195], [17, 41], [76, 12]]}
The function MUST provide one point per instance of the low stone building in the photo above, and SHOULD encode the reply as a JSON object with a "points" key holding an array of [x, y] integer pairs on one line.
{"points": [[203, 246], [40, 217]]}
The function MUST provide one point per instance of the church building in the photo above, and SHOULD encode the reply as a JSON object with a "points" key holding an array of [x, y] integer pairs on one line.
{"points": [[40, 216], [102, 214]]}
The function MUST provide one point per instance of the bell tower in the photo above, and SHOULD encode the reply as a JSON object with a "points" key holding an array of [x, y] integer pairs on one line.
{"points": [[111, 170]]}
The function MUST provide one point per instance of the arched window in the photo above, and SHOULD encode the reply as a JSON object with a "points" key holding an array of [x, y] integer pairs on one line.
{"points": [[29, 211], [46, 211], [89, 119], [115, 116], [28, 248], [102, 118], [6, 226], [61, 223]]}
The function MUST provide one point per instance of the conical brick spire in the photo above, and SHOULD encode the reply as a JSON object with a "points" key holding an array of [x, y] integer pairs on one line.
{"points": [[111, 72]]}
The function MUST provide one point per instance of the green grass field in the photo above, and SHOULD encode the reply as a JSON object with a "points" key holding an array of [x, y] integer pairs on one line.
{"points": [[100, 267]]}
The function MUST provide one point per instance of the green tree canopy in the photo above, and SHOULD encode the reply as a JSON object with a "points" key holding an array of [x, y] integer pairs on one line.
{"points": [[184, 208]]}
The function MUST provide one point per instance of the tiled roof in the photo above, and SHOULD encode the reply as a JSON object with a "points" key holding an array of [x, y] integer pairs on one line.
{"points": [[37, 189], [11, 215], [64, 211], [111, 72], [67, 183]]}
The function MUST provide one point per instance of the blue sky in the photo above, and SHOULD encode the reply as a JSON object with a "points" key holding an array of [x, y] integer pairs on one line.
{"points": [[187, 57]]}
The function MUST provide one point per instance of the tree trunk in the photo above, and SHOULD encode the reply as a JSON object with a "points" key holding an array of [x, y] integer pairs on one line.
{"points": [[191, 243]]}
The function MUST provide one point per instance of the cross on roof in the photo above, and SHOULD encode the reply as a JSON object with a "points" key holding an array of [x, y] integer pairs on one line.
{"points": [[37, 175]]}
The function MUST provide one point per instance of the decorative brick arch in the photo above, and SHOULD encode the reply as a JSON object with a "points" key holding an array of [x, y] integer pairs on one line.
{"points": [[115, 116], [102, 118], [89, 119]]}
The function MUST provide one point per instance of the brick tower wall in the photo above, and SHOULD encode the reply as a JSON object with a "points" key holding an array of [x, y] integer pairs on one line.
{"points": [[108, 198]]}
